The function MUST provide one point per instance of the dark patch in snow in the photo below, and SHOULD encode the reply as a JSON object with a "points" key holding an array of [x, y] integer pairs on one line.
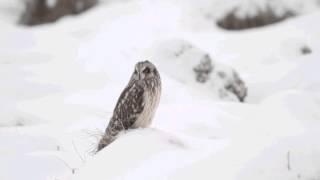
{"points": [[177, 143], [38, 12], [184, 48], [221, 74], [263, 17], [19, 123], [237, 87], [305, 50], [203, 69], [233, 82]]}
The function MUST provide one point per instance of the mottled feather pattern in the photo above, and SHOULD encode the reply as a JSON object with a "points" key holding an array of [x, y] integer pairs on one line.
{"points": [[137, 103], [129, 104]]}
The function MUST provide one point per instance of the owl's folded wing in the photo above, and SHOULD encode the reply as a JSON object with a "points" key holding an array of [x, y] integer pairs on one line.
{"points": [[130, 104]]}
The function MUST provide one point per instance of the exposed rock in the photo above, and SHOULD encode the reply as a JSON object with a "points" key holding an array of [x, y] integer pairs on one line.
{"points": [[263, 17], [237, 86], [43, 11], [203, 69], [195, 67]]}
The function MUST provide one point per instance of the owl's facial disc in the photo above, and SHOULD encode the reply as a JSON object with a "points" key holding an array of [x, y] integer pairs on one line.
{"points": [[144, 70]]}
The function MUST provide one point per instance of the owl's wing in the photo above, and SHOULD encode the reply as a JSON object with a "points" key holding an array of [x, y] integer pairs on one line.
{"points": [[130, 104]]}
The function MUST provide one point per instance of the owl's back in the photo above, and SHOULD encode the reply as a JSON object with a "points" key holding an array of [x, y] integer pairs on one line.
{"points": [[129, 105]]}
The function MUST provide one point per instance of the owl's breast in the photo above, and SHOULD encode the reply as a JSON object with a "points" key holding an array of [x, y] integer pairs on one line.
{"points": [[151, 102]]}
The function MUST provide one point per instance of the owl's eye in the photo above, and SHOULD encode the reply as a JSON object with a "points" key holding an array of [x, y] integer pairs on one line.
{"points": [[146, 71]]}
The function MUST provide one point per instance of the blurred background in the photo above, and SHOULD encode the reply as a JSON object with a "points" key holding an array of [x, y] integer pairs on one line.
{"points": [[240, 99]]}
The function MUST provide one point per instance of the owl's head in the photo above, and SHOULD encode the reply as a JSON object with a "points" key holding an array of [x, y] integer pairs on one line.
{"points": [[145, 70]]}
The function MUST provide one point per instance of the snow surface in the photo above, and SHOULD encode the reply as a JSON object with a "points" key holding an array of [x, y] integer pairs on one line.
{"points": [[60, 83]]}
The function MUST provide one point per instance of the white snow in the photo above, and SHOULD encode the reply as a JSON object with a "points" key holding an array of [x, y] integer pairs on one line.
{"points": [[60, 83]]}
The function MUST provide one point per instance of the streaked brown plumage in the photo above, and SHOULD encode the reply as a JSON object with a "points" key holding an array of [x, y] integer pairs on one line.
{"points": [[137, 103]]}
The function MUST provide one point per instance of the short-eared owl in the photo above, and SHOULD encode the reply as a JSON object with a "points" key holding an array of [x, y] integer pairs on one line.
{"points": [[137, 103]]}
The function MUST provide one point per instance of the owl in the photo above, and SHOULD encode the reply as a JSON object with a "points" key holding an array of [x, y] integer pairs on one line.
{"points": [[137, 103]]}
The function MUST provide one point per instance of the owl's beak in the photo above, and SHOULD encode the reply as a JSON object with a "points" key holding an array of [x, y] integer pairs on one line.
{"points": [[141, 76]]}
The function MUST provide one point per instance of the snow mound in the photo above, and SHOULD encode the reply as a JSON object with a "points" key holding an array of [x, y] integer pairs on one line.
{"points": [[291, 158], [190, 65], [131, 153]]}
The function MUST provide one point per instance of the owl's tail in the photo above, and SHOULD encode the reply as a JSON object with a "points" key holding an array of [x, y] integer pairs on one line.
{"points": [[105, 141]]}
